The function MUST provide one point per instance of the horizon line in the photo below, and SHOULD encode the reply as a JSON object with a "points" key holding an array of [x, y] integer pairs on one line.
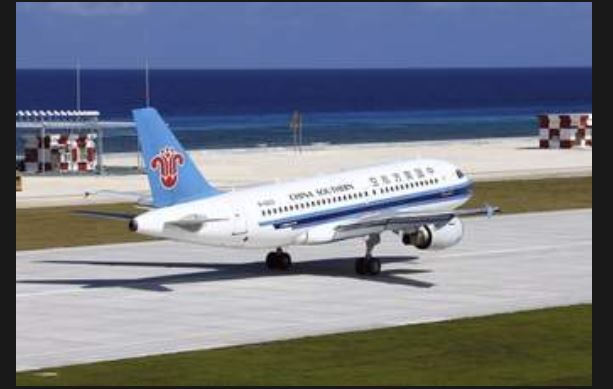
{"points": [[315, 68]]}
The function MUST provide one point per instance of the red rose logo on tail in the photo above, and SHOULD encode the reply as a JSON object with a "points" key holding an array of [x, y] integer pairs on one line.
{"points": [[167, 163]]}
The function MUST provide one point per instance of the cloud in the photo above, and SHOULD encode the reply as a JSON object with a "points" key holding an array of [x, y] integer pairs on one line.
{"points": [[94, 9]]}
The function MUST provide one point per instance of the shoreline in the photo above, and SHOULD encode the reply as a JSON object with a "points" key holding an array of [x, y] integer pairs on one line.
{"points": [[323, 146], [320, 145]]}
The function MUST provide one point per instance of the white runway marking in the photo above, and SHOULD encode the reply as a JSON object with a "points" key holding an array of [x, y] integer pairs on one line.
{"points": [[108, 302]]}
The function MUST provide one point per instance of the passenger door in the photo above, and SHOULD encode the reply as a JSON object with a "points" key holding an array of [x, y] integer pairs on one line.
{"points": [[239, 221]]}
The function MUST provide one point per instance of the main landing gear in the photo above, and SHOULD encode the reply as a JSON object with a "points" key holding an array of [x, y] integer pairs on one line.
{"points": [[369, 264], [278, 260]]}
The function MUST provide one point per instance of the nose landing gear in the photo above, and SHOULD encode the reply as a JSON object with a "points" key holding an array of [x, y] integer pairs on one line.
{"points": [[368, 264], [278, 260]]}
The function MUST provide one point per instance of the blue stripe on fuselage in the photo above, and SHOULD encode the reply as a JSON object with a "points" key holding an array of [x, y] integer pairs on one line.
{"points": [[432, 196]]}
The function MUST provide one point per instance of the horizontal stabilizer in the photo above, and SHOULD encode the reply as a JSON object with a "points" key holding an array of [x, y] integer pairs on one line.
{"points": [[106, 215], [193, 222], [136, 197]]}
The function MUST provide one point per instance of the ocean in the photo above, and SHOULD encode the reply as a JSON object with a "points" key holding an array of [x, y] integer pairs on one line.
{"points": [[253, 108]]}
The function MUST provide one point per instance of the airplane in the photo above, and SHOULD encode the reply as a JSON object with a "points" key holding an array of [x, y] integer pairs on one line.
{"points": [[417, 199]]}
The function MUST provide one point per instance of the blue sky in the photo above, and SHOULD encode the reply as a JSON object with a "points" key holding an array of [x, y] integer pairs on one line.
{"points": [[303, 35]]}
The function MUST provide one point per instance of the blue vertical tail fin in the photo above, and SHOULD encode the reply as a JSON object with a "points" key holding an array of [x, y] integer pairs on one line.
{"points": [[173, 176]]}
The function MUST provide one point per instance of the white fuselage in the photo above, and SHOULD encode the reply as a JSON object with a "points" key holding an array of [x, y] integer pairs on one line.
{"points": [[306, 211]]}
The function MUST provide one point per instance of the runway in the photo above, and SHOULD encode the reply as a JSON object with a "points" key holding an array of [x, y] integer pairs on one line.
{"points": [[99, 303]]}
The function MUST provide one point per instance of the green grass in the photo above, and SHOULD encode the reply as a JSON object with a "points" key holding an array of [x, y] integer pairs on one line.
{"points": [[534, 195], [38, 228], [543, 347]]}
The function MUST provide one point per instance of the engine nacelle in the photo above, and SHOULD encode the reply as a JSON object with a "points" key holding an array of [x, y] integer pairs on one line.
{"points": [[435, 238]]}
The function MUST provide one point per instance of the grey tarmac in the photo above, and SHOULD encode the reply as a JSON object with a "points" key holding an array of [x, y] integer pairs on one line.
{"points": [[96, 303]]}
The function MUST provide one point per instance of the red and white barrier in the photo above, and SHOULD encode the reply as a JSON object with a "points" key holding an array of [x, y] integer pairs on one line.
{"points": [[565, 130], [60, 152]]}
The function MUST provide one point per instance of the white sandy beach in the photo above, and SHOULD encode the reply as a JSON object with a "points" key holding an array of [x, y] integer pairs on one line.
{"points": [[483, 159]]}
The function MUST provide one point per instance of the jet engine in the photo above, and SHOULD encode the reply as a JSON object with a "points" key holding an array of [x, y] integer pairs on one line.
{"points": [[434, 237]]}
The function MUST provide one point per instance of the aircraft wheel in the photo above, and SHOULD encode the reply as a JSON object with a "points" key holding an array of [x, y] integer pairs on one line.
{"points": [[276, 260], [372, 266], [360, 266], [271, 260], [284, 261]]}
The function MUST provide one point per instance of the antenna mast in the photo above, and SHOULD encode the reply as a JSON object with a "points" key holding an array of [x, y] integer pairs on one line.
{"points": [[147, 98], [78, 84]]}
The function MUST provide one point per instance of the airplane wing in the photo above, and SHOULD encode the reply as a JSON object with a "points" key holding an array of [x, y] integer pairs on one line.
{"points": [[407, 221]]}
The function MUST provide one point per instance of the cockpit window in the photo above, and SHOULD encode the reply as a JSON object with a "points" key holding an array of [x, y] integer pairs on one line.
{"points": [[459, 173]]}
